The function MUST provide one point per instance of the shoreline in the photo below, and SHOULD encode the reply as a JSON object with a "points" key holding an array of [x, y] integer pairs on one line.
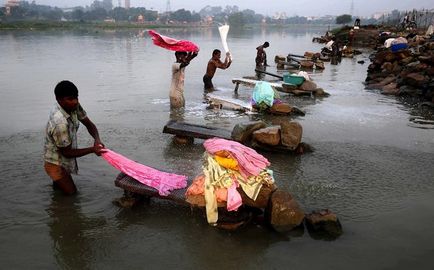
{"points": [[76, 25]]}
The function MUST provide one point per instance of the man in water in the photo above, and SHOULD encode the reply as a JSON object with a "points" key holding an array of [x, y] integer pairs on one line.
{"points": [[178, 75], [60, 150], [212, 66], [261, 56]]}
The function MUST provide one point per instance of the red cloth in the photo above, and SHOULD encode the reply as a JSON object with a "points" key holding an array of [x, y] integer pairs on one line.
{"points": [[173, 44]]}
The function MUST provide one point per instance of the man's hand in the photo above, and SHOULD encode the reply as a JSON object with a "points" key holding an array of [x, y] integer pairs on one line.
{"points": [[98, 148]]}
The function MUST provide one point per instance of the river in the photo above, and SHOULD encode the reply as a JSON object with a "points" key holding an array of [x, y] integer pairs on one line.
{"points": [[372, 164]]}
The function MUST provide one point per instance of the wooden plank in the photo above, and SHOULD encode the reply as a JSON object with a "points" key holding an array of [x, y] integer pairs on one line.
{"points": [[251, 83], [228, 103], [130, 184], [195, 131]]}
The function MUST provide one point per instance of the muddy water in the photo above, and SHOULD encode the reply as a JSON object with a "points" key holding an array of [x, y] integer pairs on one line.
{"points": [[372, 163]]}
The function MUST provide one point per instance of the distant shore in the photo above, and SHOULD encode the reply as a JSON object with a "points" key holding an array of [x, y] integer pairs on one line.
{"points": [[77, 25]]}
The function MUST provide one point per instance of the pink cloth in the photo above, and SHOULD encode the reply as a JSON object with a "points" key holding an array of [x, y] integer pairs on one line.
{"points": [[249, 161], [162, 181], [173, 44], [234, 198]]}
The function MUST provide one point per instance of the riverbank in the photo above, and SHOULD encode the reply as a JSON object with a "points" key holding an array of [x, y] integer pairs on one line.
{"points": [[76, 25]]}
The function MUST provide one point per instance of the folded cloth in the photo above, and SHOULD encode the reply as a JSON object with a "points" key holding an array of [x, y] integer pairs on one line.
{"points": [[162, 181], [249, 161], [173, 44]]}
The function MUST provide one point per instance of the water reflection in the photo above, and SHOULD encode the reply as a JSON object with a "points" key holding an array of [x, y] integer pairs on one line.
{"points": [[69, 230]]}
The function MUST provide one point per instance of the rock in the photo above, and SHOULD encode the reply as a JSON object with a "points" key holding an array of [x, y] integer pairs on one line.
{"points": [[263, 197], [319, 92], [415, 79], [283, 212], [387, 66], [243, 132], [323, 224], [268, 135], [279, 58], [281, 108], [183, 140], [290, 134], [390, 89], [308, 86]]}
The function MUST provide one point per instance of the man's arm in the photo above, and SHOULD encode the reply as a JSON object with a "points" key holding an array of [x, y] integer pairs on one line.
{"points": [[93, 131], [189, 57]]}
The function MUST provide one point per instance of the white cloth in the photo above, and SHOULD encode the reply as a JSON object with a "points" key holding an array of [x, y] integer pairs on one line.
{"points": [[388, 42], [329, 45]]}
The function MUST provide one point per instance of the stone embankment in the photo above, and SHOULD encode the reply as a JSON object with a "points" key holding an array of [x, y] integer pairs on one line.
{"points": [[405, 72]]}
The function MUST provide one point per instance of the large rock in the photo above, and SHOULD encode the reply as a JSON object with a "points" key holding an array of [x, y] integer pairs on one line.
{"points": [[281, 108], [290, 134], [308, 86], [323, 224], [390, 89], [415, 79], [263, 197], [268, 135], [283, 212], [243, 132]]}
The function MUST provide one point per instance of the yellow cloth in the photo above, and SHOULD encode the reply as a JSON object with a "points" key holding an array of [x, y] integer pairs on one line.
{"points": [[228, 163]]}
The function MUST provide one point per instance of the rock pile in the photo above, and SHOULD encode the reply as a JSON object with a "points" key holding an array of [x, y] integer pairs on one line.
{"points": [[406, 72]]}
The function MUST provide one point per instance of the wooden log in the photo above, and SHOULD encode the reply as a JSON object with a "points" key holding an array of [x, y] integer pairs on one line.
{"points": [[269, 73], [195, 131]]}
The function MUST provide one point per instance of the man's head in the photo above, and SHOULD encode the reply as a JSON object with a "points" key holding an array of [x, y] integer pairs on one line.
{"points": [[180, 56], [66, 95], [266, 44], [216, 54]]}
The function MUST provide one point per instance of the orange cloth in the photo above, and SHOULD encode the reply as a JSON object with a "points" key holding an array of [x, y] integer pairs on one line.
{"points": [[55, 172], [197, 188]]}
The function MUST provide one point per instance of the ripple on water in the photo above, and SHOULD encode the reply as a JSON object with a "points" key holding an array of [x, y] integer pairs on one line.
{"points": [[356, 181]]}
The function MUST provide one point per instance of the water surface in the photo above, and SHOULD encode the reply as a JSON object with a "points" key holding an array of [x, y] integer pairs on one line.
{"points": [[372, 163]]}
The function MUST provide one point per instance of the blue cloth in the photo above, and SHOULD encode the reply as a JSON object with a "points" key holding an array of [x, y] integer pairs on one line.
{"points": [[263, 93]]}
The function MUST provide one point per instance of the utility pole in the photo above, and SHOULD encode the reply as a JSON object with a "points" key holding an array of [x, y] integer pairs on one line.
{"points": [[168, 9]]}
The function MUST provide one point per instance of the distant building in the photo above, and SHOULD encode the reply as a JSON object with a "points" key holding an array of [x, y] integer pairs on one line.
{"points": [[127, 4], [9, 4]]}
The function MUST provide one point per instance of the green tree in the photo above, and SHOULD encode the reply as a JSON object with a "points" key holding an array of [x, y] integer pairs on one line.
{"points": [[343, 19], [236, 19]]}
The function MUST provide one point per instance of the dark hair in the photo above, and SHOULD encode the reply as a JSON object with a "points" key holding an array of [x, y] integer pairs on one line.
{"points": [[65, 89], [216, 51], [179, 53], [266, 44]]}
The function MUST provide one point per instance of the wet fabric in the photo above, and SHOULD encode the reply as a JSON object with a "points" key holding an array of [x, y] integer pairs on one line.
{"points": [[173, 44], [263, 93], [249, 161], [162, 181]]}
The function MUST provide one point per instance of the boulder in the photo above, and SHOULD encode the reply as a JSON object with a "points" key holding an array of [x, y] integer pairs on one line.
{"points": [[308, 86], [390, 89], [268, 135], [281, 108], [243, 132], [290, 134], [323, 224], [262, 199], [283, 212]]}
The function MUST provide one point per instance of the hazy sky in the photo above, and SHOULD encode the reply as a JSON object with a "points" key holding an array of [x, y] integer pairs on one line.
{"points": [[270, 7]]}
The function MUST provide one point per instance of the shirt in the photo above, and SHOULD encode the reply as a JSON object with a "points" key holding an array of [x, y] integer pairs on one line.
{"points": [[178, 77], [61, 131]]}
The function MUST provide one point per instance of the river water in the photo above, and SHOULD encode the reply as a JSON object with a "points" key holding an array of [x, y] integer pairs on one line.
{"points": [[372, 164]]}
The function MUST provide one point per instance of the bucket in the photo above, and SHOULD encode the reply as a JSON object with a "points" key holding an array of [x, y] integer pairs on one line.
{"points": [[293, 79]]}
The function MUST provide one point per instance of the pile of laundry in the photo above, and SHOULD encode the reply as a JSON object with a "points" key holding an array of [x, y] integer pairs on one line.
{"points": [[264, 96], [228, 165]]}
